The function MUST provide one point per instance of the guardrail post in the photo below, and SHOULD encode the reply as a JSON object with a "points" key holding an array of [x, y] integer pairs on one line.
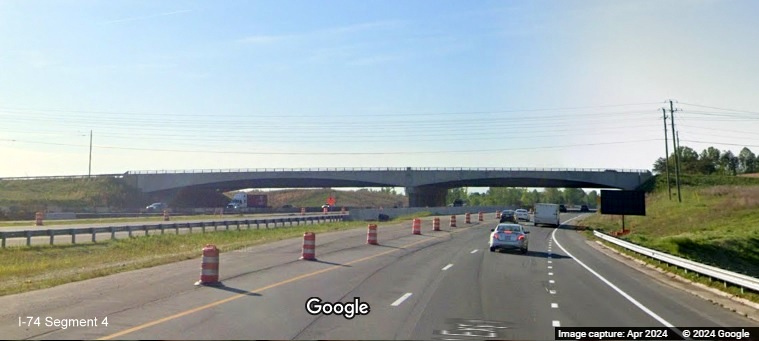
{"points": [[257, 223], [3, 237], [189, 226], [113, 233], [215, 227], [129, 228], [73, 236], [160, 227], [226, 225], [51, 232], [28, 238], [238, 225], [145, 227], [93, 234], [176, 228], [203, 226]]}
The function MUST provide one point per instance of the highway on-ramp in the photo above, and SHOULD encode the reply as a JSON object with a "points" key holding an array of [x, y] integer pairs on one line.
{"points": [[437, 285]]}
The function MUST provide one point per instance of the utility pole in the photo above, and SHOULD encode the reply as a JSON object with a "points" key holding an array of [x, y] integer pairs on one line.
{"points": [[666, 152], [677, 156], [89, 172]]}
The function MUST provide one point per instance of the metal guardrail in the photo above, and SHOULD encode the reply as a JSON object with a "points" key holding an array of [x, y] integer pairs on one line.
{"points": [[379, 169], [93, 231], [741, 280]]}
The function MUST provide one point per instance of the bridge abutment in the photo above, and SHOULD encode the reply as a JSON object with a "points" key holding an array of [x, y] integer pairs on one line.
{"points": [[426, 196]]}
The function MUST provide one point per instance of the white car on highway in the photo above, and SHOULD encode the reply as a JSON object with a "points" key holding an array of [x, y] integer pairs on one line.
{"points": [[522, 214]]}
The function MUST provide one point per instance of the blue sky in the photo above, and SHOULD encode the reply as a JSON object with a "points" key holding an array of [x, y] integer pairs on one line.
{"points": [[169, 85]]}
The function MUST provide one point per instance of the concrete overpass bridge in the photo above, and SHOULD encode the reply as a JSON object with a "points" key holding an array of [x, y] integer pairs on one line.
{"points": [[424, 186]]}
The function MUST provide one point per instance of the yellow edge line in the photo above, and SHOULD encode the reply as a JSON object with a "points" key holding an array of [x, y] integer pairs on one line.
{"points": [[293, 279]]}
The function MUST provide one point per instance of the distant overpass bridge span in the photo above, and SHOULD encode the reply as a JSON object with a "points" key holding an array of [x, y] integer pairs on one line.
{"points": [[424, 186]]}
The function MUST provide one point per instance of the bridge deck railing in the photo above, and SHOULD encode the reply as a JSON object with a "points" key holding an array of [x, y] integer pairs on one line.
{"points": [[385, 169]]}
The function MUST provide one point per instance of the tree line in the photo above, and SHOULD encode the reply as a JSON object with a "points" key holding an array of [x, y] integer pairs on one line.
{"points": [[523, 197], [710, 161]]}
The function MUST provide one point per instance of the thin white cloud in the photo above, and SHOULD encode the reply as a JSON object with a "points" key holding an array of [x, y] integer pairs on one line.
{"points": [[263, 39], [146, 17], [333, 31], [373, 60]]}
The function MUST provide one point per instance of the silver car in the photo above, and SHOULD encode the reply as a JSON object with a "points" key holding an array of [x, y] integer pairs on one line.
{"points": [[509, 236]]}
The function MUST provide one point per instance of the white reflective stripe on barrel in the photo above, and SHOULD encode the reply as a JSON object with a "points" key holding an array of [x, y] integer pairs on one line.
{"points": [[309, 242], [210, 259], [209, 272]]}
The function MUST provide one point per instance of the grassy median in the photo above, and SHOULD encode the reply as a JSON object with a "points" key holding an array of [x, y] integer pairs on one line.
{"points": [[36, 267], [715, 225]]}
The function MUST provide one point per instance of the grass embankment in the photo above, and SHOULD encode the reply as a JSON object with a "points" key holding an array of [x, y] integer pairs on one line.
{"points": [[29, 268], [717, 223]]}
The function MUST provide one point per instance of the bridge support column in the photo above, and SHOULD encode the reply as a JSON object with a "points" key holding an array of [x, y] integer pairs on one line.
{"points": [[427, 196]]}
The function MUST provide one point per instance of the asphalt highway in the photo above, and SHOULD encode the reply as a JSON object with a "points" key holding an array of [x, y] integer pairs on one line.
{"points": [[438, 285]]}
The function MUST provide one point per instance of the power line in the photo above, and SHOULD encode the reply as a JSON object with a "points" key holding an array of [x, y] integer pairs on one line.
{"points": [[717, 129], [723, 143], [718, 108], [335, 153], [154, 114]]}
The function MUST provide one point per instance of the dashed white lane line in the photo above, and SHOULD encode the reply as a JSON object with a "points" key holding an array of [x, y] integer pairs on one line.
{"points": [[473, 251], [550, 262], [550, 267], [551, 281], [555, 305], [618, 290], [401, 299], [552, 292], [550, 274], [447, 267], [556, 323]]}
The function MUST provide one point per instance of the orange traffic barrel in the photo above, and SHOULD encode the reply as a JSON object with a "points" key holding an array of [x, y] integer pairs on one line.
{"points": [[38, 218], [453, 221], [416, 227], [371, 235], [435, 224], [309, 246], [209, 266], [468, 218], [481, 216]]}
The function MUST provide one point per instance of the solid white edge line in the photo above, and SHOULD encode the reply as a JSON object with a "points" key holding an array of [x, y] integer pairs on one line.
{"points": [[447, 267], [624, 294], [473, 251], [400, 300]]}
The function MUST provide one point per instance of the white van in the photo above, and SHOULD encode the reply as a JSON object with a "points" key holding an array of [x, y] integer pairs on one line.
{"points": [[546, 214]]}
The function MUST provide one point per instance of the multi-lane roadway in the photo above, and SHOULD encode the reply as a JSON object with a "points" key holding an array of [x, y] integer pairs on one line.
{"points": [[438, 285]]}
